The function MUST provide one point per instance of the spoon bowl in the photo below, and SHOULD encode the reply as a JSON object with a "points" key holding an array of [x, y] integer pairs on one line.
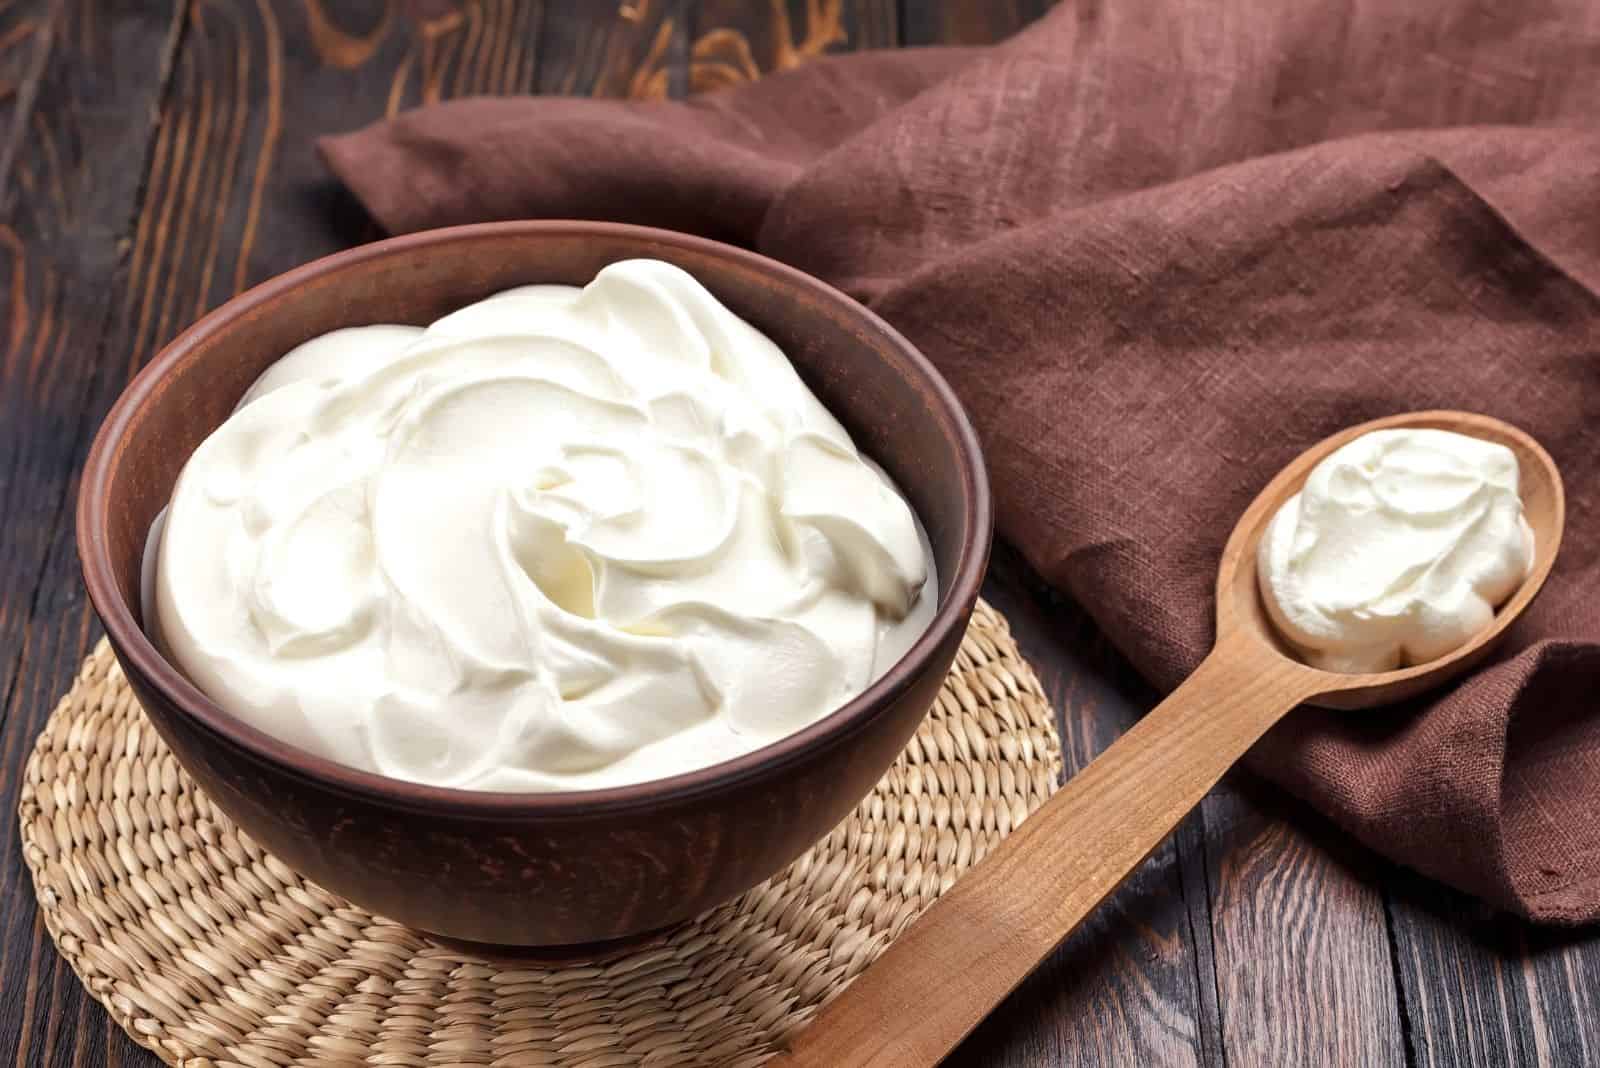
{"points": [[1241, 615], [967, 952]]}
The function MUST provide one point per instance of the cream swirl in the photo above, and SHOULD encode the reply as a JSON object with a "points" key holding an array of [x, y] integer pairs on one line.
{"points": [[560, 538], [1397, 551]]}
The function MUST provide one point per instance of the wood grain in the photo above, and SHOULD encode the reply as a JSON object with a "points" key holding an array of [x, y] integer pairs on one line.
{"points": [[1560, 972], [636, 51], [1480, 1014], [1300, 942], [1484, 988], [78, 130], [736, 41]]}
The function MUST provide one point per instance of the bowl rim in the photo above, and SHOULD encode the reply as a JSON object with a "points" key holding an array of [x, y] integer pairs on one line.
{"points": [[134, 647]]}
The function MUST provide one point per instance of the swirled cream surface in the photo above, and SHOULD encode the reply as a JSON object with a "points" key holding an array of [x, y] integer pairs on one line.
{"points": [[561, 538], [1397, 551]]}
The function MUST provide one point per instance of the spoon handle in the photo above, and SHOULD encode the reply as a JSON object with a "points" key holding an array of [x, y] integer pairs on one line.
{"points": [[951, 967]]}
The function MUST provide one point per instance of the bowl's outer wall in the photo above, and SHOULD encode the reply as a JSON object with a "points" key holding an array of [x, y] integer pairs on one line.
{"points": [[592, 875], [550, 882]]}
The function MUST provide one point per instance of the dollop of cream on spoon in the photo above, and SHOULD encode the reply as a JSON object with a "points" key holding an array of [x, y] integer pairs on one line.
{"points": [[1397, 551]]}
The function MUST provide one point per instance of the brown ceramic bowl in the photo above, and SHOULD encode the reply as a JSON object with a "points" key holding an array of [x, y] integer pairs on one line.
{"points": [[553, 869]]}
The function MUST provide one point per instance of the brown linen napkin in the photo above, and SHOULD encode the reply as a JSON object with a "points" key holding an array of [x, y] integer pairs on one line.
{"points": [[1159, 248]]}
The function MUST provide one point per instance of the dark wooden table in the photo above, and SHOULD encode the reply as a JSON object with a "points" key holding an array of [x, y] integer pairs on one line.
{"points": [[157, 159]]}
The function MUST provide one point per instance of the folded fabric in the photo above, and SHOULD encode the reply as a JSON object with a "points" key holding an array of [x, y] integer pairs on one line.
{"points": [[1158, 249]]}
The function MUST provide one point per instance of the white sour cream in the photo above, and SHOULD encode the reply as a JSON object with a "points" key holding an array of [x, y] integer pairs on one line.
{"points": [[559, 539], [1397, 551]]}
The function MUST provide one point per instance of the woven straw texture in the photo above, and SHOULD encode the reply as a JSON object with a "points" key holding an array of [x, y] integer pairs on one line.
{"points": [[209, 951]]}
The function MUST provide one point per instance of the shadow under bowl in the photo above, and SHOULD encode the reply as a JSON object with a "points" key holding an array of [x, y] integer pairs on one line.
{"points": [[550, 869]]}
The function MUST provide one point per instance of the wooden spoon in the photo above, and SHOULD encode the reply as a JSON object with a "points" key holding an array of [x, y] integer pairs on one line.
{"points": [[974, 945]]}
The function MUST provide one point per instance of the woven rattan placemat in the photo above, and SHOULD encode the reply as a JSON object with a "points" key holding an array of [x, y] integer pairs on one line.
{"points": [[210, 952]]}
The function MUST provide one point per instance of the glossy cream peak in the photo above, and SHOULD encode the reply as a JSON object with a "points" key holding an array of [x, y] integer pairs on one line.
{"points": [[559, 539], [1397, 551]]}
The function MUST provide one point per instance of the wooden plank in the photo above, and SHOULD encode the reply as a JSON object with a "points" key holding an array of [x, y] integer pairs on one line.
{"points": [[81, 85], [1300, 943], [27, 34], [1485, 988], [1462, 977], [1560, 972], [967, 22], [735, 41], [263, 81], [637, 49], [59, 223], [871, 24], [1126, 988]]}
